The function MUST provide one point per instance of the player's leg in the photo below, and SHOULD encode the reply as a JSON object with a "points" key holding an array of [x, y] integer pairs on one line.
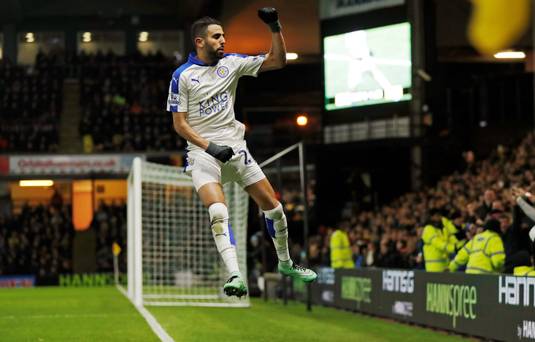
{"points": [[212, 196], [206, 177], [263, 194]]}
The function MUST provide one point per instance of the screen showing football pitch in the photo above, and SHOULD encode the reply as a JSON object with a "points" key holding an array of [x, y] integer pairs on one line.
{"points": [[367, 67]]}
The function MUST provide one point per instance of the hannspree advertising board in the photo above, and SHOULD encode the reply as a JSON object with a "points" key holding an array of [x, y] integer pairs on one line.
{"points": [[498, 307]]}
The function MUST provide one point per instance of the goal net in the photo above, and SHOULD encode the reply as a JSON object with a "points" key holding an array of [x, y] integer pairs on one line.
{"points": [[172, 258]]}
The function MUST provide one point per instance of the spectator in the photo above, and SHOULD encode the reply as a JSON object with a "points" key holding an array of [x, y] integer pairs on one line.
{"points": [[488, 199]]}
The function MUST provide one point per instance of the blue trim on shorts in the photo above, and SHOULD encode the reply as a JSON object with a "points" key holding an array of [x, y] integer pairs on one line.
{"points": [[186, 160]]}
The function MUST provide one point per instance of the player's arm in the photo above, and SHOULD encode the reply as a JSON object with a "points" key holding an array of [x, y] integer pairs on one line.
{"points": [[183, 129], [276, 57], [180, 123]]}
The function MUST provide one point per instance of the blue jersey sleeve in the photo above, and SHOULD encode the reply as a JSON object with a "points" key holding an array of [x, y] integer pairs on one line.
{"points": [[177, 100]]}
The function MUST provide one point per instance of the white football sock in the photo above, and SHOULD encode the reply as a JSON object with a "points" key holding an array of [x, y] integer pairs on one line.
{"points": [[223, 236], [278, 230]]}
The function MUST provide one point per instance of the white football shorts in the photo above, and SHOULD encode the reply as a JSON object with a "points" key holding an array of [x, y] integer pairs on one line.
{"points": [[241, 168]]}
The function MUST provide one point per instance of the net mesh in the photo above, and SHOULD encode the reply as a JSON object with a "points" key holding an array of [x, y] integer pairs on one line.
{"points": [[180, 263]]}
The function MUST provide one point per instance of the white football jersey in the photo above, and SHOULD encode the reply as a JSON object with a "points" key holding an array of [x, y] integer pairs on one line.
{"points": [[207, 93]]}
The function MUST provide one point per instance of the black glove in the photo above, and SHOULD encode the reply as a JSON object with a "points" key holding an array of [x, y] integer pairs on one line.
{"points": [[270, 16], [222, 153]]}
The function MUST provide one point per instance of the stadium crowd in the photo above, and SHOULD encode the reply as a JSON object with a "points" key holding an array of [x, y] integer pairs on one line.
{"points": [[109, 225], [30, 103], [122, 99], [482, 196], [37, 241]]}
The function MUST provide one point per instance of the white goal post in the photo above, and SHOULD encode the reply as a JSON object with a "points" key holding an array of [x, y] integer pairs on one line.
{"points": [[172, 258]]}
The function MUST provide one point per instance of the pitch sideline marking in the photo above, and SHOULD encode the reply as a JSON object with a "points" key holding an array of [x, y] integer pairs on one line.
{"points": [[65, 316], [151, 320]]}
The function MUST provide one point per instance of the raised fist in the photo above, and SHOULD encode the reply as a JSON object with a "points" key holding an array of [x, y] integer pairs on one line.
{"points": [[270, 16]]}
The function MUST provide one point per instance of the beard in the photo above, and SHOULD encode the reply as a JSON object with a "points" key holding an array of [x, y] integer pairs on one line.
{"points": [[216, 54]]}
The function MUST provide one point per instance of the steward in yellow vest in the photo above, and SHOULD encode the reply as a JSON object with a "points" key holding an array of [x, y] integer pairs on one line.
{"points": [[524, 271], [525, 266], [453, 230], [341, 253], [484, 254], [437, 246]]}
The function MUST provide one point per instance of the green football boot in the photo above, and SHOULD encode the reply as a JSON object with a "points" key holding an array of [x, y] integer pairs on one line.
{"points": [[235, 286], [297, 272]]}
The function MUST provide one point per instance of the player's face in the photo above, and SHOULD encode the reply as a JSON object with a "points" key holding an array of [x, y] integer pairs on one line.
{"points": [[214, 43]]}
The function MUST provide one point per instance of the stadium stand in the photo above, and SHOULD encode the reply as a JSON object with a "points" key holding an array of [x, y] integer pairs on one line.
{"points": [[30, 103], [390, 236], [37, 241], [123, 103], [109, 223]]}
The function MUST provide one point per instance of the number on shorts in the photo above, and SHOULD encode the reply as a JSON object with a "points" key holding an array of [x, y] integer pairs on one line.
{"points": [[246, 159]]}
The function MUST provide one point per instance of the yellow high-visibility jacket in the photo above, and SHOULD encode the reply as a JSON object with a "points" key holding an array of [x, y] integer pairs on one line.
{"points": [[341, 254], [449, 231], [436, 249], [524, 271], [482, 255]]}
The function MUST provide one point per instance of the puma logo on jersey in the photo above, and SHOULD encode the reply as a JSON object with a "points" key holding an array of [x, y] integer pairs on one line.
{"points": [[195, 80]]}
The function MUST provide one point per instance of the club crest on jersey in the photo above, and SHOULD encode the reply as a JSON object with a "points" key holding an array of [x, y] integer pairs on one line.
{"points": [[222, 71]]}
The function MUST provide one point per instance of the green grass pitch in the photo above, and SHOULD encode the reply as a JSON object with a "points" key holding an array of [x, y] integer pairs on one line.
{"points": [[104, 314]]}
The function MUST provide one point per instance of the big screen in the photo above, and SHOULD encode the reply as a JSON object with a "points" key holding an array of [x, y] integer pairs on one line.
{"points": [[368, 67]]}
